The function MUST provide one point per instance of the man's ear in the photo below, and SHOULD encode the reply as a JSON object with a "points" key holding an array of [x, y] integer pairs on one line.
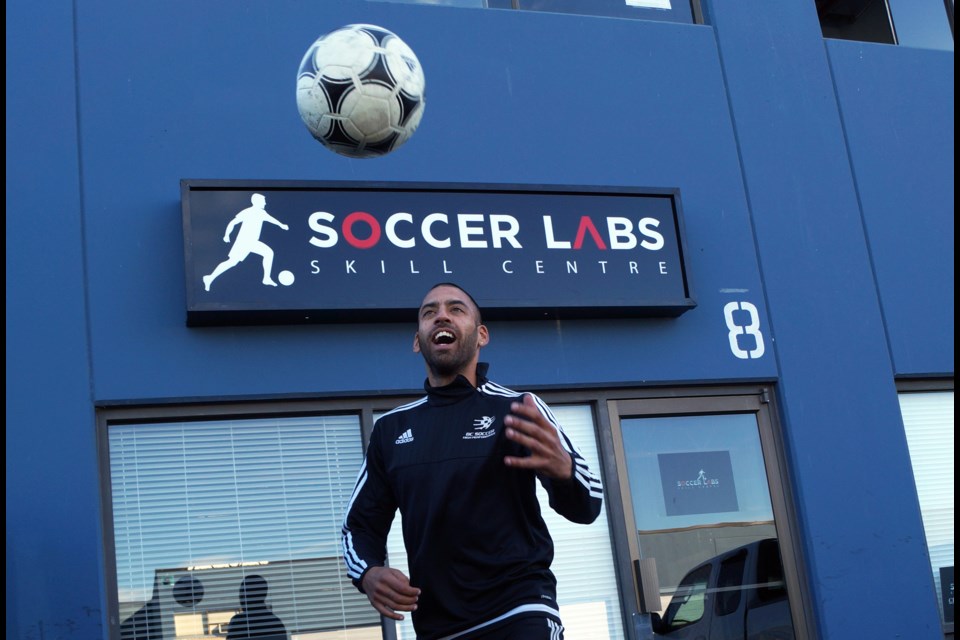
{"points": [[416, 342], [484, 335]]}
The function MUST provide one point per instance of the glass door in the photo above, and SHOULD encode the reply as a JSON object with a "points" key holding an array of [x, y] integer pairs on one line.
{"points": [[707, 521]]}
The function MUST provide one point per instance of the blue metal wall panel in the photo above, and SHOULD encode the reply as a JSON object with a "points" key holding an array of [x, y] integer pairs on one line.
{"points": [[560, 100], [54, 544], [828, 326], [897, 108]]}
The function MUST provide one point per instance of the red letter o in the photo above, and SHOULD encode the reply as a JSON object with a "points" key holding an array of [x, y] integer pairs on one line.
{"points": [[374, 230]]}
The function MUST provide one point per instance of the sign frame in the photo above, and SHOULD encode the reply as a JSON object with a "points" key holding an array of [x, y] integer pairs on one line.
{"points": [[275, 305]]}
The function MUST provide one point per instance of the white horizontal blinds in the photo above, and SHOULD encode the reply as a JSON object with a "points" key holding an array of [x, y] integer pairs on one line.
{"points": [[583, 562], [200, 507], [928, 422], [586, 581], [397, 558]]}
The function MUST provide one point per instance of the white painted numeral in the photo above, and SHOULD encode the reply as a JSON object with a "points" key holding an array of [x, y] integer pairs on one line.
{"points": [[737, 330]]}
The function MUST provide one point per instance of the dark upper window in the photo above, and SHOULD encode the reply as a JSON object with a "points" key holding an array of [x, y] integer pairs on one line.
{"points": [[863, 20]]}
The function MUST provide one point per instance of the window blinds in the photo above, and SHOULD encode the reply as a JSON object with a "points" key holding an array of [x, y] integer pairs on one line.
{"points": [[928, 422], [202, 508]]}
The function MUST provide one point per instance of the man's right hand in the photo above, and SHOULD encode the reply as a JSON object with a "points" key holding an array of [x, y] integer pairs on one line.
{"points": [[389, 591]]}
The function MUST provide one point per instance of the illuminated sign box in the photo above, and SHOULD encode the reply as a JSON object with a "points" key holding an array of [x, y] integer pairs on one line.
{"points": [[295, 252]]}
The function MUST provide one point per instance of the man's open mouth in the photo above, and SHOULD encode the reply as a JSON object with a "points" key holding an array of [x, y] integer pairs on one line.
{"points": [[444, 337]]}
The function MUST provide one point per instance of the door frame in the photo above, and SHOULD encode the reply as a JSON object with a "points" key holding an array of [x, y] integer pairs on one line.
{"points": [[609, 404]]}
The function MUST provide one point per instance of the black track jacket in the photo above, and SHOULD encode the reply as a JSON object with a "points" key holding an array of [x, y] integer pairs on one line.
{"points": [[478, 548]]}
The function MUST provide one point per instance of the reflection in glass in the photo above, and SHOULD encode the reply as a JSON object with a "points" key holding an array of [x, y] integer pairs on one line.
{"points": [[702, 510], [206, 514]]}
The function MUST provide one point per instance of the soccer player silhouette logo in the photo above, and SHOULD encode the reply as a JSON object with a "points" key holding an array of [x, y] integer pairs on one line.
{"points": [[248, 241]]}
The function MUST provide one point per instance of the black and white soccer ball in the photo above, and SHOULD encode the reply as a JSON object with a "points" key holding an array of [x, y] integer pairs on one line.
{"points": [[360, 91]]}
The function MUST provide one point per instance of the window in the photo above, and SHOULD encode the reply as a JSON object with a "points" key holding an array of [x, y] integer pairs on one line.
{"points": [[730, 584], [862, 20], [232, 523], [702, 489], [207, 507], [928, 24], [665, 10], [928, 423], [687, 11]]}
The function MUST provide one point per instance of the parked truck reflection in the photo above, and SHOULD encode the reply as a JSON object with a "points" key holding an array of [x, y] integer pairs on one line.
{"points": [[738, 595]]}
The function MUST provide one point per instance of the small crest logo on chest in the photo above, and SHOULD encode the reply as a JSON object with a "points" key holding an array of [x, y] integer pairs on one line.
{"points": [[481, 428]]}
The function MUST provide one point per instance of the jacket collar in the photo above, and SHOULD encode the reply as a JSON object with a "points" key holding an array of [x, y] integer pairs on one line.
{"points": [[457, 390]]}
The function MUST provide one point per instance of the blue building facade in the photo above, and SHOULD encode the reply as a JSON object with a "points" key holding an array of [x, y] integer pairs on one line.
{"points": [[816, 181]]}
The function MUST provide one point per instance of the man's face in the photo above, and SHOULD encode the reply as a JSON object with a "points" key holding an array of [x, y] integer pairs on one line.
{"points": [[448, 335]]}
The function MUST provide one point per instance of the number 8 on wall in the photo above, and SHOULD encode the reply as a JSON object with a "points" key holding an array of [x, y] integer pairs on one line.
{"points": [[738, 330]]}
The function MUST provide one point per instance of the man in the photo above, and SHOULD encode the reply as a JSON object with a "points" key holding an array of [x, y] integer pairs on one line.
{"points": [[462, 464]]}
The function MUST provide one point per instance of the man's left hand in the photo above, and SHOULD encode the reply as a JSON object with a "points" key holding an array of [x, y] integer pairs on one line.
{"points": [[528, 427]]}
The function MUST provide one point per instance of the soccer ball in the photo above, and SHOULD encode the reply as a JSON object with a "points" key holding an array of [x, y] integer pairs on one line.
{"points": [[360, 91]]}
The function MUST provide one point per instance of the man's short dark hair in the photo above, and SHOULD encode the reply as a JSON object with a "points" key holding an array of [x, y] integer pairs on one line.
{"points": [[456, 286]]}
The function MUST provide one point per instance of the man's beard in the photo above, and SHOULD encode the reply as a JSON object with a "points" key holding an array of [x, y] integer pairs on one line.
{"points": [[451, 362]]}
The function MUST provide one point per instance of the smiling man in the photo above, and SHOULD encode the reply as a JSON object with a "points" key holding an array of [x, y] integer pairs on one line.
{"points": [[461, 464]]}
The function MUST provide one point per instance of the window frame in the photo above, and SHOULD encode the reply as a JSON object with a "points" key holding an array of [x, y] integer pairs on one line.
{"points": [[603, 401], [108, 416], [759, 399]]}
